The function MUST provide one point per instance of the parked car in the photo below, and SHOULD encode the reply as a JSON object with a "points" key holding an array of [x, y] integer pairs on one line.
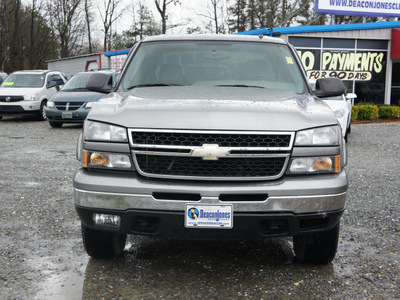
{"points": [[73, 102], [341, 106], [27, 92], [212, 137], [3, 75]]}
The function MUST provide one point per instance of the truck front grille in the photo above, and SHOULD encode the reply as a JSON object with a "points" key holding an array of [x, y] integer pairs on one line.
{"points": [[68, 106], [219, 169], [211, 155], [222, 139]]}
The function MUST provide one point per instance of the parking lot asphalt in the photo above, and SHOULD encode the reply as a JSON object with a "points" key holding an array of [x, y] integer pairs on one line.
{"points": [[42, 257]]}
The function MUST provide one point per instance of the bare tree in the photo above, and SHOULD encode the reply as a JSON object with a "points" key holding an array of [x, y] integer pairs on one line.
{"points": [[109, 15], [66, 20], [215, 15], [4, 6], [162, 9], [39, 45], [88, 17], [14, 50]]}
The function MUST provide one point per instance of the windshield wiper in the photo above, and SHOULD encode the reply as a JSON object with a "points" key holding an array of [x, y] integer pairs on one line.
{"points": [[151, 84], [241, 85]]}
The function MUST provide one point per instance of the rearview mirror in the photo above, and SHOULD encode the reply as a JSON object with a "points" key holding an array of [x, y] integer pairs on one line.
{"points": [[99, 82], [329, 87], [351, 96]]}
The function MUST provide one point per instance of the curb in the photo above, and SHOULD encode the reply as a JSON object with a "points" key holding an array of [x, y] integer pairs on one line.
{"points": [[375, 121]]}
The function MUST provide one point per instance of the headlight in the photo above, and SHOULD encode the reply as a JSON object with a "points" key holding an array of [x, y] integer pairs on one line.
{"points": [[30, 97], [323, 136], [50, 104], [306, 165], [107, 160], [339, 113], [96, 131], [90, 104]]}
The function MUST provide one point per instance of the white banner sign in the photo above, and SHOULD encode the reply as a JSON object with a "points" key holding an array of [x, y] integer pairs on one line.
{"points": [[117, 61], [375, 8]]}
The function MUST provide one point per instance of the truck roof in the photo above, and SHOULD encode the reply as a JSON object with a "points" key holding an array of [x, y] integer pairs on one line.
{"points": [[214, 37]]}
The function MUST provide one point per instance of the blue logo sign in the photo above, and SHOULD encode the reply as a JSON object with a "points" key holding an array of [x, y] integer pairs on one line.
{"points": [[193, 213]]}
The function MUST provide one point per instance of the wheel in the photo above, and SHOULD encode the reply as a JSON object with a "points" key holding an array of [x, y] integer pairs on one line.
{"points": [[1, 117], [349, 129], [102, 244], [319, 248], [55, 124], [41, 116]]}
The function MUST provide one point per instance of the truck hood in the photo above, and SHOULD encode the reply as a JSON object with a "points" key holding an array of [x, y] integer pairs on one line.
{"points": [[213, 108], [10, 91]]}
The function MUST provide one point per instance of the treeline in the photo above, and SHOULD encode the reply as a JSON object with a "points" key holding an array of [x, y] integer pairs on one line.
{"points": [[34, 31]]}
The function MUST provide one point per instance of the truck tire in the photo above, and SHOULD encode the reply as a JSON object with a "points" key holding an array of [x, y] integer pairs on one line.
{"points": [[318, 248], [102, 244]]}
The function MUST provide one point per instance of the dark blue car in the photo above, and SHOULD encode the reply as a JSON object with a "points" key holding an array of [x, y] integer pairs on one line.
{"points": [[73, 102]]}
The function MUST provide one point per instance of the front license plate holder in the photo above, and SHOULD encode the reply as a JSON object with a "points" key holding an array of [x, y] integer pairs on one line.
{"points": [[66, 115], [209, 216]]}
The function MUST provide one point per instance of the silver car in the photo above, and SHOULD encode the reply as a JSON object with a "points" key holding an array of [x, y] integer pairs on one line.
{"points": [[212, 137]]}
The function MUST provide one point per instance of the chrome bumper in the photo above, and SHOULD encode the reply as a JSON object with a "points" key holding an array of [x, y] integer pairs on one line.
{"points": [[296, 194]]}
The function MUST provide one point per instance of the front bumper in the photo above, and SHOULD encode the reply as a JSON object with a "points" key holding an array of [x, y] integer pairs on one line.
{"points": [[77, 116], [162, 203], [170, 224], [19, 108]]}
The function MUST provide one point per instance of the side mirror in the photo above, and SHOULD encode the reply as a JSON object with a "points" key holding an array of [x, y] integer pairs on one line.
{"points": [[51, 84], [99, 82], [329, 87], [351, 96]]}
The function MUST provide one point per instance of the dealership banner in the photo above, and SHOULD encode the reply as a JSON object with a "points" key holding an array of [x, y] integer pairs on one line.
{"points": [[345, 65], [373, 8]]}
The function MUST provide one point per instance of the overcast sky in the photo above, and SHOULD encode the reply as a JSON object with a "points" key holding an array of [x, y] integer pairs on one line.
{"points": [[187, 14]]}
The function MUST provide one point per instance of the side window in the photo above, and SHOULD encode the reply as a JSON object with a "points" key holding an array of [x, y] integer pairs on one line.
{"points": [[50, 78], [58, 79]]}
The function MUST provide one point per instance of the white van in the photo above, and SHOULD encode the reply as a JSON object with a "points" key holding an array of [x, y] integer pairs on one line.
{"points": [[27, 92]]}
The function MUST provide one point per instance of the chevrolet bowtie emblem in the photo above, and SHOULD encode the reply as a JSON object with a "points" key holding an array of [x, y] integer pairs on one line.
{"points": [[210, 152]]}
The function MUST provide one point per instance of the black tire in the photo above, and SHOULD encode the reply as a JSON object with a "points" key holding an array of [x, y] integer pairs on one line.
{"points": [[41, 116], [318, 248], [102, 244], [349, 129], [1, 117], [55, 124]]}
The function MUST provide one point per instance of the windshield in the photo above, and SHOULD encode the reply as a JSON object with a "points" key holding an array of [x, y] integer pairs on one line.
{"points": [[214, 63], [24, 80], [77, 82]]}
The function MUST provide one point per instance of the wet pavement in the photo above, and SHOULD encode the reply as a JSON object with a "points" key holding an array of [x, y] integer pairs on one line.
{"points": [[42, 257]]}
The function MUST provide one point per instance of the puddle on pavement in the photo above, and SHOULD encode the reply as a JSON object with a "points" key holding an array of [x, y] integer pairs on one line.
{"points": [[65, 286], [152, 268], [62, 277]]}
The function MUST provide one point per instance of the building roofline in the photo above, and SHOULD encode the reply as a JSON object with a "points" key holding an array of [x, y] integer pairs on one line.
{"points": [[72, 57], [323, 28]]}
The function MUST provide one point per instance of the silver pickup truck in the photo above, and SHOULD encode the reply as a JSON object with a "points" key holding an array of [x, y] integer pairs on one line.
{"points": [[212, 137]]}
